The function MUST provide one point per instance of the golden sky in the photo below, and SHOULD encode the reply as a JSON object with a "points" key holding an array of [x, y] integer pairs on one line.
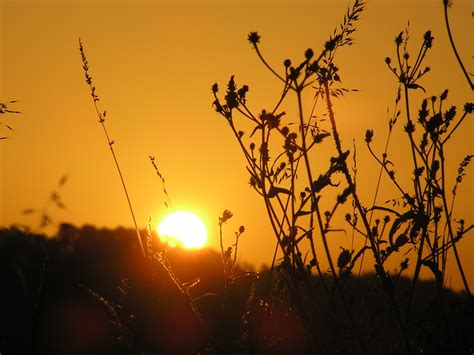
{"points": [[154, 62]]}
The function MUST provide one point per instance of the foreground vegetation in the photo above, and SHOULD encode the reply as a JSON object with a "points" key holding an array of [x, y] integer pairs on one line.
{"points": [[309, 196]]}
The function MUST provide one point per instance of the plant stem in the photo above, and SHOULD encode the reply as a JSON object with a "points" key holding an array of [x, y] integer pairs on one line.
{"points": [[413, 148], [450, 231], [386, 283], [109, 141], [226, 288], [448, 28], [320, 221]]}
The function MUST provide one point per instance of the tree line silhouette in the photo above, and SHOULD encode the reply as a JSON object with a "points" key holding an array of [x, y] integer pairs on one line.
{"points": [[90, 291]]}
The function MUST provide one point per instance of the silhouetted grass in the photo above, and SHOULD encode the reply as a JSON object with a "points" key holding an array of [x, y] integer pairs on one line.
{"points": [[101, 115]]}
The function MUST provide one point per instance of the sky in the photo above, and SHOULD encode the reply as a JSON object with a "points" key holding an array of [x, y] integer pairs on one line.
{"points": [[153, 63]]}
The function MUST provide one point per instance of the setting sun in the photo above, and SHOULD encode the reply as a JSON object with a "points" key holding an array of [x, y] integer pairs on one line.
{"points": [[183, 229]]}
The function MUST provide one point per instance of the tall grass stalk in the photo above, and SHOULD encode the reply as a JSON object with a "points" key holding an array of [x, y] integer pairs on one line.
{"points": [[101, 115]]}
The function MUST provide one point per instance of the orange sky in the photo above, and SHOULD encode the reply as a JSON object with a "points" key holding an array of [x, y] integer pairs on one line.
{"points": [[153, 63]]}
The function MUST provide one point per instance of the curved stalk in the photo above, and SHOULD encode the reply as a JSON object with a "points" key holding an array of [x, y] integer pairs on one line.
{"points": [[451, 40]]}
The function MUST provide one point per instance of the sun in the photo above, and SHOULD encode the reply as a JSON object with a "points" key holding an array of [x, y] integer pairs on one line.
{"points": [[183, 229]]}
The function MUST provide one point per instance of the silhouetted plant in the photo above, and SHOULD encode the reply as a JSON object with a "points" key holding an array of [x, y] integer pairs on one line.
{"points": [[229, 263], [167, 200], [427, 203], [101, 115], [4, 109], [278, 156], [46, 219]]}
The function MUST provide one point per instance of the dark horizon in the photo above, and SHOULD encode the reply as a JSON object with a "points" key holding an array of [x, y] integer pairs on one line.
{"points": [[88, 290]]}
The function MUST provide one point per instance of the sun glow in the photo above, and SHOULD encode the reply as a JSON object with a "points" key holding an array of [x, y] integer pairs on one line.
{"points": [[183, 229]]}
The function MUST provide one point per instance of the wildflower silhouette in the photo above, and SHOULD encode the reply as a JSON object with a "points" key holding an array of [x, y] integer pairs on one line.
{"points": [[293, 197]]}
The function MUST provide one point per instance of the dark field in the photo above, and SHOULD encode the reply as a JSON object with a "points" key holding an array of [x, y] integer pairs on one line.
{"points": [[89, 291]]}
